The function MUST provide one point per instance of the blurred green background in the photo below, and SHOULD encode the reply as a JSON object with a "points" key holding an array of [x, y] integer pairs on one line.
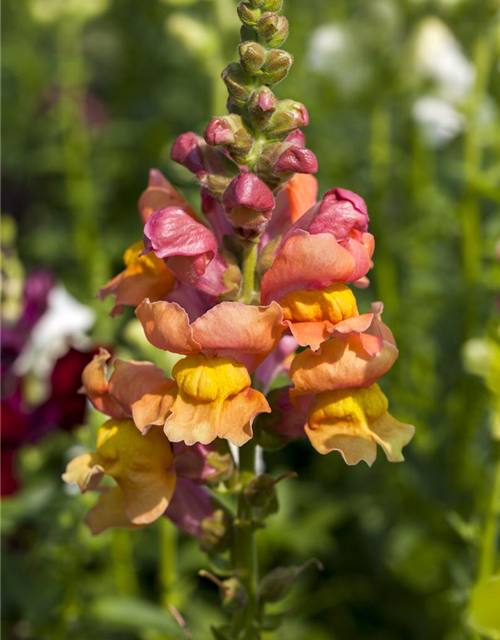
{"points": [[404, 98]]}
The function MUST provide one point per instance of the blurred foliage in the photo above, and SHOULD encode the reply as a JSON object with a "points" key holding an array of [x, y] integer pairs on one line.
{"points": [[94, 94]]}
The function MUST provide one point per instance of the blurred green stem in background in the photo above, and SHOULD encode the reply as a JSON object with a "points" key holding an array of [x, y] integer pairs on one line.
{"points": [[244, 556], [488, 558], [123, 563], [81, 195], [474, 143], [385, 275], [168, 568]]}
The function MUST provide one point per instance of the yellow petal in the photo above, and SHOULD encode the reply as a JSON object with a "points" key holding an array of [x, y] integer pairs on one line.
{"points": [[141, 466], [109, 512], [335, 303], [209, 379], [86, 471]]}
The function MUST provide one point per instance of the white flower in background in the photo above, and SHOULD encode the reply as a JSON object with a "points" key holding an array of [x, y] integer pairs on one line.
{"points": [[439, 121], [439, 58], [334, 51], [66, 320]]}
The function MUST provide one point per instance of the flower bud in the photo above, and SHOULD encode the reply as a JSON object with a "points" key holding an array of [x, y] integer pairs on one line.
{"points": [[261, 106], [296, 160], [216, 530], [252, 56], [272, 5], [234, 595], [260, 492], [276, 66], [212, 168], [238, 83], [289, 116], [276, 584], [248, 203], [248, 14], [230, 132], [297, 138], [273, 29]]}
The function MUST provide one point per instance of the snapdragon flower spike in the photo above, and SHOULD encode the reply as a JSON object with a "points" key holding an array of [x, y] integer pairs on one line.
{"points": [[222, 347]]}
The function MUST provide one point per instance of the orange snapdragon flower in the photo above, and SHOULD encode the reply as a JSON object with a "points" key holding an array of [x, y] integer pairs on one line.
{"points": [[214, 397]]}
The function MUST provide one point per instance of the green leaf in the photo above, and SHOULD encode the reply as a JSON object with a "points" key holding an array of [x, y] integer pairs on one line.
{"points": [[135, 615], [484, 609]]}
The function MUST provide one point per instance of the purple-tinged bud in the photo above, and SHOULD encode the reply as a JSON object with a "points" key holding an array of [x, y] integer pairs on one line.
{"points": [[219, 132], [234, 595], [289, 116], [276, 66], [296, 160], [238, 83], [249, 204], [252, 56], [185, 151], [261, 106], [273, 29], [248, 15], [297, 138]]}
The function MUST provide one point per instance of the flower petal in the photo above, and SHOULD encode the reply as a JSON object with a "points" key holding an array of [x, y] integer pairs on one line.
{"points": [[340, 365], [131, 380], [145, 276], [95, 386], [240, 327], [154, 406], [167, 327], [109, 512], [160, 194], [140, 465], [392, 436], [86, 471], [352, 448], [306, 262]]}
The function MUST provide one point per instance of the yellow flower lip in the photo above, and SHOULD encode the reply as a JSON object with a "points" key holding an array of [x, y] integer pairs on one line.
{"points": [[333, 304], [210, 379], [357, 407]]}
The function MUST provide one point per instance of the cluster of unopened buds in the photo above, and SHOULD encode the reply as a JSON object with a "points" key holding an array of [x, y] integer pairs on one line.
{"points": [[255, 289]]}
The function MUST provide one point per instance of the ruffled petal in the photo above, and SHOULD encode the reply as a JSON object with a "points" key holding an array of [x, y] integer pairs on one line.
{"points": [[192, 420], [353, 449], [167, 327], [306, 262], [340, 365], [392, 436]]}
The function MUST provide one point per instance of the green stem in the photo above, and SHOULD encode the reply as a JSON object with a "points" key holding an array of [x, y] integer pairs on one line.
{"points": [[168, 569], [250, 254], [488, 558], [123, 563], [244, 553]]}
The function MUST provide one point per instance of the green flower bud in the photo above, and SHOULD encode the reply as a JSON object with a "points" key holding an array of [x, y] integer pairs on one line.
{"points": [[252, 56], [277, 583], [248, 33], [276, 66], [260, 492], [234, 595], [290, 115], [238, 83], [248, 14], [272, 5], [216, 530], [273, 29]]}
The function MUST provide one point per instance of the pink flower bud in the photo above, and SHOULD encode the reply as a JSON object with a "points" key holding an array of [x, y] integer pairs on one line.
{"points": [[249, 204], [219, 132], [296, 160], [297, 138]]}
